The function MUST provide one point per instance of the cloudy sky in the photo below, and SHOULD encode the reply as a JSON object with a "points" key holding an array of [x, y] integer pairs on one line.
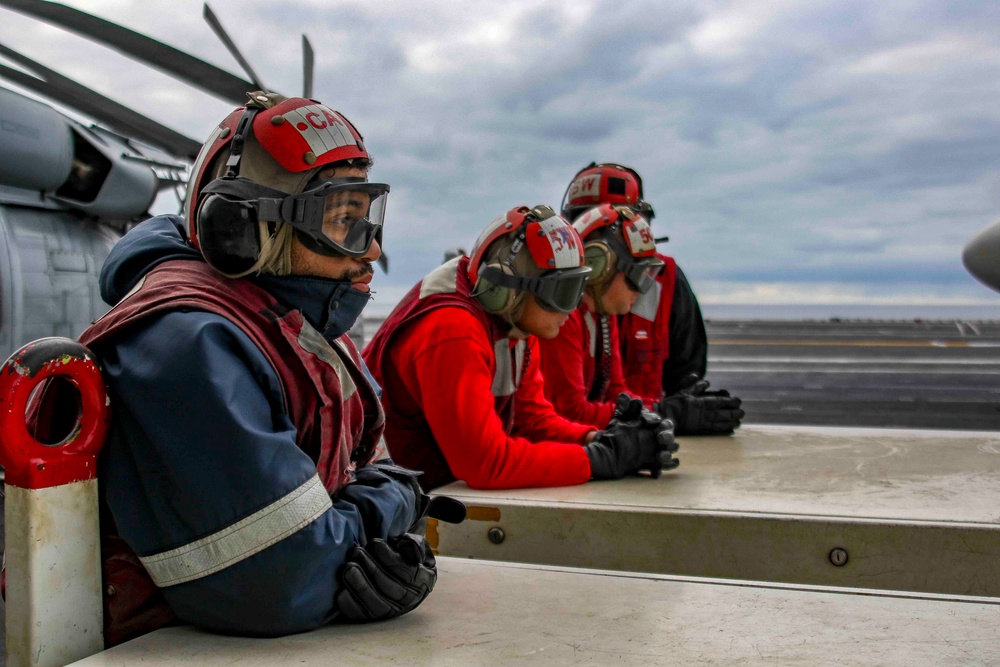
{"points": [[806, 151]]}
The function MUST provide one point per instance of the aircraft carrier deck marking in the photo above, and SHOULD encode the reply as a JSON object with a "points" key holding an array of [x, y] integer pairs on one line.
{"points": [[856, 343]]}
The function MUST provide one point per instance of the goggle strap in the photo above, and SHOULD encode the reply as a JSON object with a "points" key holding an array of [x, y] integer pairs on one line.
{"points": [[502, 279], [269, 209], [533, 285]]}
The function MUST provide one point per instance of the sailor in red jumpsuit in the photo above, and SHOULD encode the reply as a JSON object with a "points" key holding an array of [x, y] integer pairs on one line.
{"points": [[582, 365], [458, 364], [661, 340]]}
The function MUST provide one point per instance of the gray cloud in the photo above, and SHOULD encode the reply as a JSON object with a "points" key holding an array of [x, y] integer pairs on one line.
{"points": [[856, 143]]}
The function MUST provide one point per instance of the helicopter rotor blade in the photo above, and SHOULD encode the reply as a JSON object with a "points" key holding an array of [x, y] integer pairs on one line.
{"points": [[91, 103], [221, 33], [185, 67], [383, 261], [308, 59]]}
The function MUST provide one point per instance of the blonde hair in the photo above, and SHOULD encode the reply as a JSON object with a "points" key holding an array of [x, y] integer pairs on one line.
{"points": [[276, 252]]}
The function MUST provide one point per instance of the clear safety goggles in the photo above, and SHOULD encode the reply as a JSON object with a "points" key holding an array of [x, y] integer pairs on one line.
{"points": [[342, 216], [641, 273], [558, 291]]}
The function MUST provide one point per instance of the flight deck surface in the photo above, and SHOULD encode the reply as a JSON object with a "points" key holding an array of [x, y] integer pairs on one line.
{"points": [[907, 510], [503, 614]]}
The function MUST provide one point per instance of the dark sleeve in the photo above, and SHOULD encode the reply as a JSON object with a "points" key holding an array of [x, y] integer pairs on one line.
{"points": [[207, 484], [688, 341]]}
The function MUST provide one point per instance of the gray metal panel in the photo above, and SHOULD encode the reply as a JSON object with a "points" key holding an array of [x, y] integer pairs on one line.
{"points": [[914, 510], [129, 188], [35, 143], [502, 614], [50, 269], [9, 290]]}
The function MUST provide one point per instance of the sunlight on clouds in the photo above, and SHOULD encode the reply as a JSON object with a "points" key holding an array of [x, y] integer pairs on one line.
{"points": [[725, 34], [932, 55], [489, 40]]}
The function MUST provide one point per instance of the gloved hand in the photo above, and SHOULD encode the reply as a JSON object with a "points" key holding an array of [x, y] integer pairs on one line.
{"points": [[635, 439], [442, 508], [697, 411], [386, 579]]}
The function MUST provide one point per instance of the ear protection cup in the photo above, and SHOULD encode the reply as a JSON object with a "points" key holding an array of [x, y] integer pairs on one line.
{"points": [[231, 236], [601, 260], [232, 249], [495, 299]]}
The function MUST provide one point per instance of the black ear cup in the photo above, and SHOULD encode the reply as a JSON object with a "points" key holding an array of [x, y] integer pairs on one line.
{"points": [[601, 261], [495, 298], [228, 234]]}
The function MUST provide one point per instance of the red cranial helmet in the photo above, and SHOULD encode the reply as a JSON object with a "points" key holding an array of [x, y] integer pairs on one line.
{"points": [[616, 238], [289, 139], [528, 251], [260, 166], [602, 184]]}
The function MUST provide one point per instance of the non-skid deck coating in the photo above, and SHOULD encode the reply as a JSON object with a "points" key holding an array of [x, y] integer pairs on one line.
{"points": [[912, 510], [494, 614]]}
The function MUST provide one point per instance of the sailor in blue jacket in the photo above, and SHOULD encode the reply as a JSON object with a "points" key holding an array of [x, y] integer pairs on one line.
{"points": [[247, 481]]}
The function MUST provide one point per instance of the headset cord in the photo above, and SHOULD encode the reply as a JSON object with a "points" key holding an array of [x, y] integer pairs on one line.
{"points": [[602, 378]]}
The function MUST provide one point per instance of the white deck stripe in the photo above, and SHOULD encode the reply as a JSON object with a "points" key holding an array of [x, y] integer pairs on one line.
{"points": [[282, 518], [855, 361]]}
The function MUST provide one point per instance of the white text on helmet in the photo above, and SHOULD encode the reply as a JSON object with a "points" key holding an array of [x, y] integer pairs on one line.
{"points": [[586, 186], [321, 128], [565, 250], [639, 237]]}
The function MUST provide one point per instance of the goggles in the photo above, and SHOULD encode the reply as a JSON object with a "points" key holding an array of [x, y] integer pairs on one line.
{"points": [[558, 291], [336, 217], [641, 273]]}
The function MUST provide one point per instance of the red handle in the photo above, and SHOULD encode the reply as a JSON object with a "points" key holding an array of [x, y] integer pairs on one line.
{"points": [[31, 464]]}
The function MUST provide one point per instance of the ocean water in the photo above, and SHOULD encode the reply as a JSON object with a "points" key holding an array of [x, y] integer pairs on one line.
{"points": [[981, 312]]}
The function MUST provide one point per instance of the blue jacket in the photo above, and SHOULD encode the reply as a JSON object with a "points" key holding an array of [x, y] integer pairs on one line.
{"points": [[201, 442]]}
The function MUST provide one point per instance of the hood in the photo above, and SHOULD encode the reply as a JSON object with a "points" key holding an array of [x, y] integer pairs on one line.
{"points": [[330, 306], [145, 246]]}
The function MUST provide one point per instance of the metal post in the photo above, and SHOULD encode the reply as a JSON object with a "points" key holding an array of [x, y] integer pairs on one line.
{"points": [[53, 560]]}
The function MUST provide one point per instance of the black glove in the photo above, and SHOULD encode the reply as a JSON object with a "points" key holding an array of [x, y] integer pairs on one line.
{"points": [[697, 411], [635, 439], [442, 508], [386, 579]]}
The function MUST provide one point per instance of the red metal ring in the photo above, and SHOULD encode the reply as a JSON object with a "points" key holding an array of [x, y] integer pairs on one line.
{"points": [[28, 463]]}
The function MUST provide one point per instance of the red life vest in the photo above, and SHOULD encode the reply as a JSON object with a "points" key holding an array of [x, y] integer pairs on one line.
{"points": [[336, 413], [644, 334], [448, 285]]}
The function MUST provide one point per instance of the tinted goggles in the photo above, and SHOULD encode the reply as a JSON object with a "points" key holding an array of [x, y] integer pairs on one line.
{"points": [[341, 215], [641, 273], [558, 291]]}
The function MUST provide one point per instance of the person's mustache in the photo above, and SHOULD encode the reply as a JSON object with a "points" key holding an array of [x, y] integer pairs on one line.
{"points": [[365, 269]]}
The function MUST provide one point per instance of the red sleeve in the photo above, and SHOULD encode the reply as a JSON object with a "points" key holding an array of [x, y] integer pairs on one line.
{"points": [[446, 362], [564, 366], [565, 361], [534, 416]]}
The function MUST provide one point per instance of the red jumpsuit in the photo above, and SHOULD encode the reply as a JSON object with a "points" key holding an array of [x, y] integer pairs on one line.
{"points": [[445, 376], [570, 362], [663, 339]]}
